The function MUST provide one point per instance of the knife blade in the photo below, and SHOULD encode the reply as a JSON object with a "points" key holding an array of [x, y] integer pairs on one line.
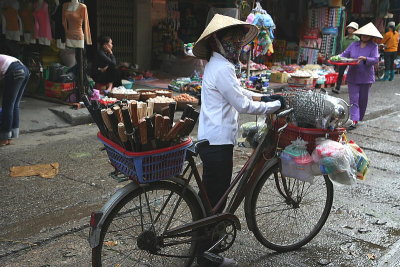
{"points": [[150, 133], [172, 107], [117, 112]]}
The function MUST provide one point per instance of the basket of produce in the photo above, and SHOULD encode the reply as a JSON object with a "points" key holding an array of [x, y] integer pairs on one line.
{"points": [[342, 61], [123, 93], [166, 93], [183, 100], [146, 94], [160, 102]]}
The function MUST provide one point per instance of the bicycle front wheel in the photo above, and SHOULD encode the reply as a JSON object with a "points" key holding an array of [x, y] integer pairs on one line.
{"points": [[132, 235], [287, 213]]}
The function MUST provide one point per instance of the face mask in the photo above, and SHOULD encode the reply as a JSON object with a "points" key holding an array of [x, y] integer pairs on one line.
{"points": [[232, 50]]}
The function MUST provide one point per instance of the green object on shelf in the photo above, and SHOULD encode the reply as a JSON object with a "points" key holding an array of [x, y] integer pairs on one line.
{"points": [[46, 73]]}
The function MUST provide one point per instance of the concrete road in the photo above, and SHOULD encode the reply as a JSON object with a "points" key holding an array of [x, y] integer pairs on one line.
{"points": [[44, 222]]}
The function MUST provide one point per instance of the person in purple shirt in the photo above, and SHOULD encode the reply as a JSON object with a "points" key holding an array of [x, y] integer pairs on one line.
{"points": [[360, 77]]}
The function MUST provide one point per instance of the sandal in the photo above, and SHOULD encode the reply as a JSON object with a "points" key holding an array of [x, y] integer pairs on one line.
{"points": [[352, 126]]}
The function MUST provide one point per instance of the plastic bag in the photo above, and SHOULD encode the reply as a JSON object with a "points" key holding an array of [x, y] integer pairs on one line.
{"points": [[361, 160], [297, 162], [251, 133], [336, 160]]}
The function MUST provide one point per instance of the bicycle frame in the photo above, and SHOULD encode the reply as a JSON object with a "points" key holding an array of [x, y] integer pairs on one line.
{"points": [[247, 176]]}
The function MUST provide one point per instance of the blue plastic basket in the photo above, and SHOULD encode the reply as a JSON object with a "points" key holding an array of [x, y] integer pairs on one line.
{"points": [[150, 166]]}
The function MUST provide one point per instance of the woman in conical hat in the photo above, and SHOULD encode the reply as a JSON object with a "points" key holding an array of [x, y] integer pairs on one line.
{"points": [[360, 77], [222, 99]]}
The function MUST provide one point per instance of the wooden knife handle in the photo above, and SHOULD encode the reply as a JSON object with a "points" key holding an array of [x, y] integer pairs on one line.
{"points": [[122, 133], [143, 131], [165, 111], [158, 126], [166, 126], [106, 120], [172, 134], [134, 113]]}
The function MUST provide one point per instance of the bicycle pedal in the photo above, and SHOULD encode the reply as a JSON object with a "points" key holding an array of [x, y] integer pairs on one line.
{"points": [[213, 257]]}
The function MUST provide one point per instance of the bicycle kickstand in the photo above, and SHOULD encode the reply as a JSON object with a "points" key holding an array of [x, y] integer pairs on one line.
{"points": [[212, 256]]}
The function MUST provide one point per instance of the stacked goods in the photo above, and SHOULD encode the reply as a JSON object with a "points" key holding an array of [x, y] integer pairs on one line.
{"points": [[123, 93], [184, 99], [165, 93], [134, 126], [160, 102]]}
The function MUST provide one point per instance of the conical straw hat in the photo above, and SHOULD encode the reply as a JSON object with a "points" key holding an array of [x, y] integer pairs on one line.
{"points": [[217, 23], [369, 30]]}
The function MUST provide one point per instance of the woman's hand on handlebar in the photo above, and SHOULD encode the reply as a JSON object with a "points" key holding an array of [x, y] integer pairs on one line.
{"points": [[274, 98]]}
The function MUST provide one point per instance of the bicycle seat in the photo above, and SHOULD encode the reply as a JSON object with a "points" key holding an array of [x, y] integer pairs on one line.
{"points": [[193, 150]]}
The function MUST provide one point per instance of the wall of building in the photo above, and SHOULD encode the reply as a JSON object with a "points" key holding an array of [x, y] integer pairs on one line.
{"points": [[143, 33]]}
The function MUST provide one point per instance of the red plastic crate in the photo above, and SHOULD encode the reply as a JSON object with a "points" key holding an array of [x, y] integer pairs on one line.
{"points": [[331, 78], [292, 132]]}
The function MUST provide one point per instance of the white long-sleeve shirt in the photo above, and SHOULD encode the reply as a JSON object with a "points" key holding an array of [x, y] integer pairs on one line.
{"points": [[222, 99]]}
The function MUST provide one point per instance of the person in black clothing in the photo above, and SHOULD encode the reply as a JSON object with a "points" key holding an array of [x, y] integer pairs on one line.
{"points": [[105, 68]]}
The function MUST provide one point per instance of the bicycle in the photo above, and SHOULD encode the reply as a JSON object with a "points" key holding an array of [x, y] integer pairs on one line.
{"points": [[161, 223]]}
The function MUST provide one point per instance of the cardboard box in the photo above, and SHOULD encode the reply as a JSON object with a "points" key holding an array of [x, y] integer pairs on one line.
{"points": [[279, 77], [300, 82]]}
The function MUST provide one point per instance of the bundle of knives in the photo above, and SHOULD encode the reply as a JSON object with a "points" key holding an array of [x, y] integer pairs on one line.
{"points": [[137, 128]]}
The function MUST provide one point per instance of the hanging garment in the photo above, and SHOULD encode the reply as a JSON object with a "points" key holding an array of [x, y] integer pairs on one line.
{"points": [[28, 23], [11, 24], [42, 22], [59, 32], [76, 25]]}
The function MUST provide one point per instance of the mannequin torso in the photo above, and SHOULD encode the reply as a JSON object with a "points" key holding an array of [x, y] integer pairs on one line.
{"points": [[73, 5], [76, 24]]}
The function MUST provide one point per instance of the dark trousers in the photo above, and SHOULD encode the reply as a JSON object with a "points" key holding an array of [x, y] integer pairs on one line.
{"points": [[389, 60], [111, 75], [341, 71], [15, 81], [217, 174]]}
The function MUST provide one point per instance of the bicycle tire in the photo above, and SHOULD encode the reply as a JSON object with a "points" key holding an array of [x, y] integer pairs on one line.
{"points": [[114, 235], [276, 233]]}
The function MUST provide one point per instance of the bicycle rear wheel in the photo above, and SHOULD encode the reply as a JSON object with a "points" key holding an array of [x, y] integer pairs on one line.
{"points": [[132, 235], [287, 213]]}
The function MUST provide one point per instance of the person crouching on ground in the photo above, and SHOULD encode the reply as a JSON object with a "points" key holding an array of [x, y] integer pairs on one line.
{"points": [[16, 76], [360, 77], [348, 40], [105, 66], [391, 42], [222, 99]]}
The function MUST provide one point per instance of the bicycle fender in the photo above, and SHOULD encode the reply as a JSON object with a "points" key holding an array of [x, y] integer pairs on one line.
{"points": [[94, 235], [247, 204]]}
